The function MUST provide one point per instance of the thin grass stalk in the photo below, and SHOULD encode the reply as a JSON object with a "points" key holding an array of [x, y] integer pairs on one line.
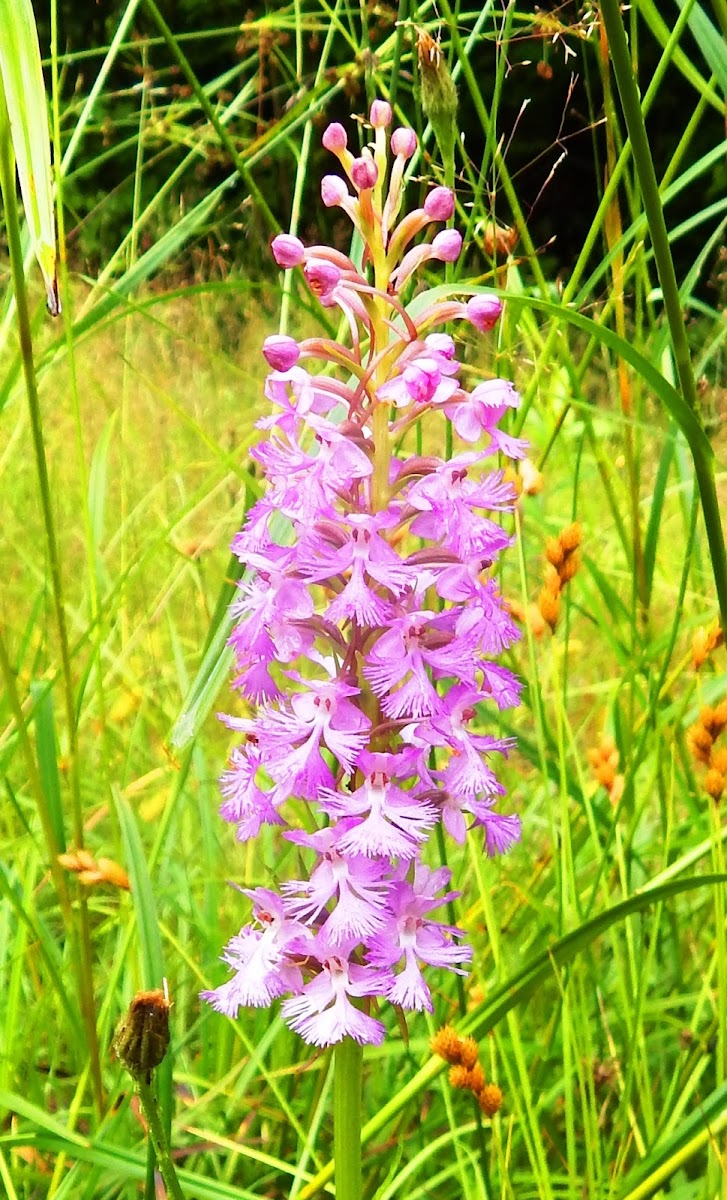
{"points": [[98, 84], [96, 627], [703, 464], [12, 223], [613, 182], [203, 100], [613, 230]]}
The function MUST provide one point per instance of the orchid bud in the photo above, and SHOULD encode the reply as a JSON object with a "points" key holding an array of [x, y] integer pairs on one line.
{"points": [[335, 138], [281, 352], [404, 142], [439, 204], [446, 245], [333, 191], [484, 312], [321, 277], [381, 115], [288, 251], [364, 172]]}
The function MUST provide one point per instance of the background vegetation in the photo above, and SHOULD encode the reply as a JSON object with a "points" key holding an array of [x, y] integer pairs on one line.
{"points": [[599, 986]]}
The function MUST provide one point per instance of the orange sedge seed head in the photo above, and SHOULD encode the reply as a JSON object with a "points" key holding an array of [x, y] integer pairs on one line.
{"points": [[569, 567], [700, 742], [491, 1099], [549, 605], [447, 1044], [571, 537], [469, 1052], [718, 759], [714, 784], [554, 551]]}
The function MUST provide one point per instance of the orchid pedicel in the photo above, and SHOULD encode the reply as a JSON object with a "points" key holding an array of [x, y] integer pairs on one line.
{"points": [[369, 622]]}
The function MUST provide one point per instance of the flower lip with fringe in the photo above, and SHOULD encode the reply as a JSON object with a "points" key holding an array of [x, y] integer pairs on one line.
{"points": [[368, 623]]}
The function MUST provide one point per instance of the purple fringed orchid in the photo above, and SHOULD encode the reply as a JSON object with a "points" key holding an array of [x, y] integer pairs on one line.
{"points": [[366, 626]]}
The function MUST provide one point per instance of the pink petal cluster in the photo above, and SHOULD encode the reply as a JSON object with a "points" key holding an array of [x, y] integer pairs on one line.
{"points": [[368, 622]]}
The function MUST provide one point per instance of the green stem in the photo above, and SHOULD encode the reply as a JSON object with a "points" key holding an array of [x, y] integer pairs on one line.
{"points": [[703, 463], [12, 226], [347, 1119], [158, 1138]]}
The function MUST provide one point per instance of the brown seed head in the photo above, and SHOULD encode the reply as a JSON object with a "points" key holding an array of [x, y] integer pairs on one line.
{"points": [[699, 741], [142, 1035], [605, 773], [718, 759], [447, 1044], [719, 719], [554, 551], [459, 1077], [91, 872], [569, 567], [536, 621], [714, 719], [549, 605], [471, 1079], [571, 537], [551, 580], [714, 784], [704, 642], [491, 1099], [477, 1079], [469, 1052]]}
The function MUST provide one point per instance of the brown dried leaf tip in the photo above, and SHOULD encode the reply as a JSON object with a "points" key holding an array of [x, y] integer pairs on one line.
{"points": [[604, 764], [92, 871], [466, 1070], [563, 563], [142, 1035], [701, 738]]}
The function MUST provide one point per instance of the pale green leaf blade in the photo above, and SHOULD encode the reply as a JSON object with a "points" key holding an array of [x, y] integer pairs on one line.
{"points": [[21, 77]]}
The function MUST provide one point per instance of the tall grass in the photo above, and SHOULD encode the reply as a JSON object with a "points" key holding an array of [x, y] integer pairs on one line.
{"points": [[599, 985]]}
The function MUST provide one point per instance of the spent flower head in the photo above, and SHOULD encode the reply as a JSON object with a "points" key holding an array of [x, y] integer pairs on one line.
{"points": [[368, 622]]}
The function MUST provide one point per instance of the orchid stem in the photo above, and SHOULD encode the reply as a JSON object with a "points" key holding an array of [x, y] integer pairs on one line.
{"points": [[347, 1119]]}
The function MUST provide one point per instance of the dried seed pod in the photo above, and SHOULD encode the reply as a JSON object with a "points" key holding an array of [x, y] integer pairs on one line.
{"points": [[142, 1035]]}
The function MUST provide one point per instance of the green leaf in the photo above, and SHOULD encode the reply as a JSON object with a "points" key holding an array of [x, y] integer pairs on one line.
{"points": [[711, 43], [24, 107]]}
